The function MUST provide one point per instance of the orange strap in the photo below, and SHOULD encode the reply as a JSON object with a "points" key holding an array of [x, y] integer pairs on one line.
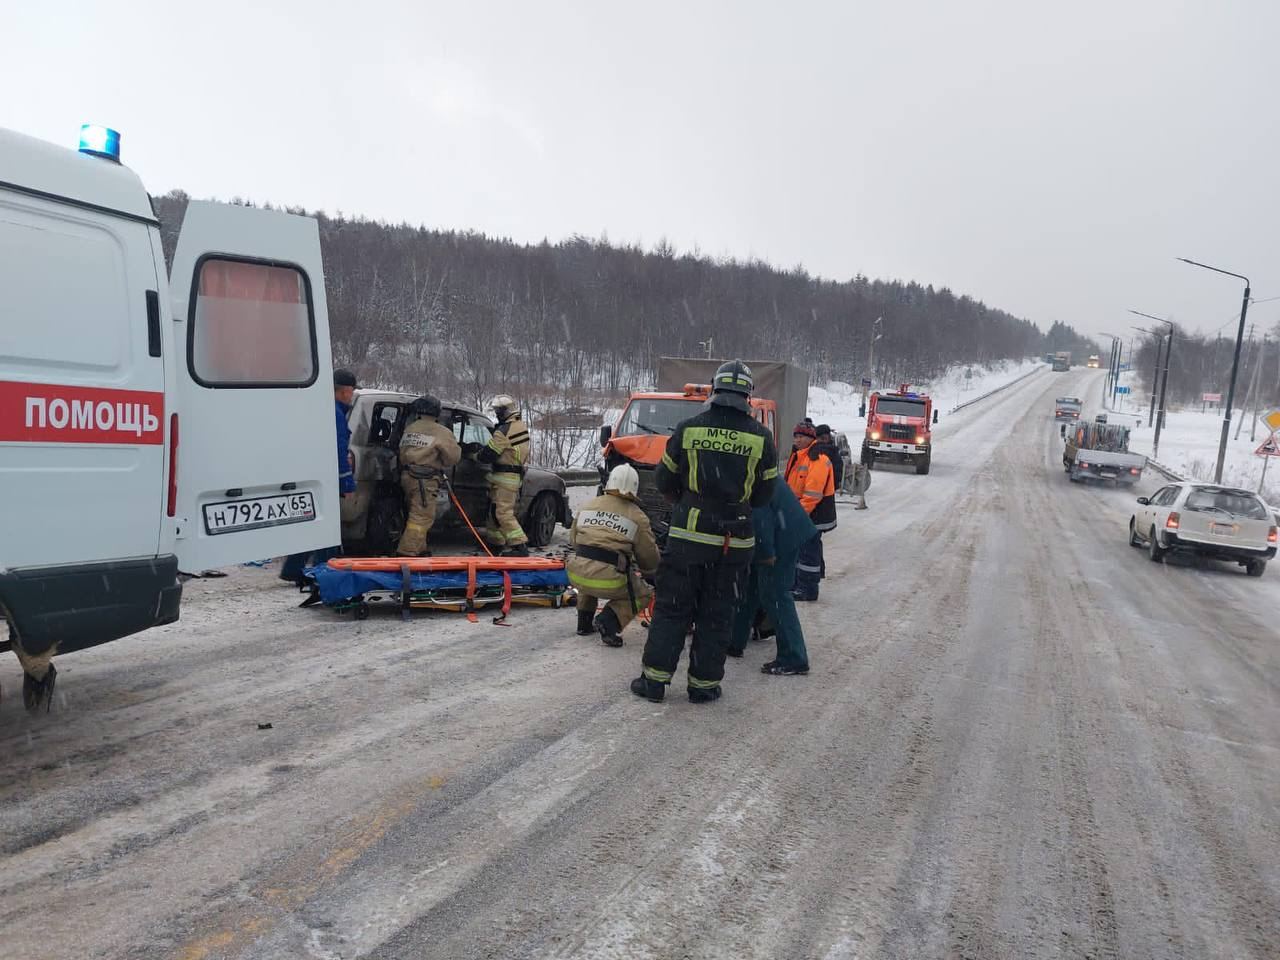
{"points": [[441, 564]]}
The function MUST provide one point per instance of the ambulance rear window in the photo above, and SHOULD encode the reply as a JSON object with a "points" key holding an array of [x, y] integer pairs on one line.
{"points": [[252, 325]]}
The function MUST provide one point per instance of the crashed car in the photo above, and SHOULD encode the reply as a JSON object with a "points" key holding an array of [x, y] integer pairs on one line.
{"points": [[372, 525]]}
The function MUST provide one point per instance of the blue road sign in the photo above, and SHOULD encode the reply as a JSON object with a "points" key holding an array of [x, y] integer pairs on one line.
{"points": [[1124, 366], [1122, 389]]}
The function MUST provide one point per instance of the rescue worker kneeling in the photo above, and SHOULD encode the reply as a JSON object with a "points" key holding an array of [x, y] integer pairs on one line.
{"points": [[427, 451], [613, 550]]}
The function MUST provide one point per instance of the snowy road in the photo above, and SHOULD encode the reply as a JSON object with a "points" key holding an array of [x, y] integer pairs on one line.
{"points": [[1021, 739]]}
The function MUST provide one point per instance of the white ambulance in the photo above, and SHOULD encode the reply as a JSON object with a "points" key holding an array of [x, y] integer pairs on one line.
{"points": [[150, 422]]}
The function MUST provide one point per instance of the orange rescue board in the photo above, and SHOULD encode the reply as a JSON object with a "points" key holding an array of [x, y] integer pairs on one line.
{"points": [[441, 564]]}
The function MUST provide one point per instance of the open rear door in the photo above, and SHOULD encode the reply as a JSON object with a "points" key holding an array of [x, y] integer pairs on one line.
{"points": [[257, 469]]}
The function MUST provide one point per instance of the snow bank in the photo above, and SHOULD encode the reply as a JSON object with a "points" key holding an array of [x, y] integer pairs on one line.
{"points": [[1189, 444]]}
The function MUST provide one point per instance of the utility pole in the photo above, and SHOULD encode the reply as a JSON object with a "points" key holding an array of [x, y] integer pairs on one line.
{"points": [[1117, 351], [1164, 385], [1253, 381], [1235, 364], [1155, 380], [1257, 396], [871, 363]]}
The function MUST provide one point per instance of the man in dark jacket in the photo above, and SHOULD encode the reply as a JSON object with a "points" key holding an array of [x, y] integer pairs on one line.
{"points": [[344, 389], [717, 467], [811, 477], [782, 528], [826, 444]]}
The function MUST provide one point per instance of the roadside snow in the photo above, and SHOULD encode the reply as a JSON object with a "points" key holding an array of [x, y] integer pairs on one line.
{"points": [[1189, 444]]}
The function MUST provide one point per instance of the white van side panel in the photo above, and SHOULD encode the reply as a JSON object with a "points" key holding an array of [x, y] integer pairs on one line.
{"points": [[82, 402], [257, 449]]}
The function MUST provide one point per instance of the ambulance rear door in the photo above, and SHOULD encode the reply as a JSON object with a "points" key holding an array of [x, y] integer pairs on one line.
{"points": [[256, 451]]}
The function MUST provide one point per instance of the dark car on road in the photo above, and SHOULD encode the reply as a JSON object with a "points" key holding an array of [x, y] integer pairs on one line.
{"points": [[372, 525]]}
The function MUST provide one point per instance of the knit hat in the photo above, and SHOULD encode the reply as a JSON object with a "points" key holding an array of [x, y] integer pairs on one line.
{"points": [[806, 429]]}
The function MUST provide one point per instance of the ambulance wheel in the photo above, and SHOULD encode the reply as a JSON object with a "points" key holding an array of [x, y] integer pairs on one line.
{"points": [[362, 611]]}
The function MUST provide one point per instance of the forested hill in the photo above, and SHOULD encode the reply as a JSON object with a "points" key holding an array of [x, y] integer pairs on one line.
{"points": [[469, 314]]}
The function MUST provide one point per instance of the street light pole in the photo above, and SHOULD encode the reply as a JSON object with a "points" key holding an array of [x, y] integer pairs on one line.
{"points": [[1164, 382], [1155, 374], [1235, 364], [1113, 369]]}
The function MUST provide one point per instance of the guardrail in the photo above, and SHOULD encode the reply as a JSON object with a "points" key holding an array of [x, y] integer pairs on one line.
{"points": [[992, 393], [579, 477]]}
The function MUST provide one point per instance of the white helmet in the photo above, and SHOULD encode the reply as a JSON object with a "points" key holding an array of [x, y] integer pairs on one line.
{"points": [[501, 405], [623, 480]]}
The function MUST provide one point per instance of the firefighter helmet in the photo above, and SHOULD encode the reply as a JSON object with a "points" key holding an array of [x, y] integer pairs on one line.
{"points": [[623, 480], [503, 407], [425, 406], [732, 385]]}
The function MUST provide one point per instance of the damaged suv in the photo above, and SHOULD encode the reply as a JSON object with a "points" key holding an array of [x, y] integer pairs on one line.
{"points": [[373, 523]]}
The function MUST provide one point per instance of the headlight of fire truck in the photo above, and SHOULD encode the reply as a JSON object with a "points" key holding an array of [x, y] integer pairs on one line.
{"points": [[875, 434], [919, 441]]}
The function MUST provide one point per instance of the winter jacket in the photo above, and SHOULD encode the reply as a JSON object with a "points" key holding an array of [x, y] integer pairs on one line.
{"points": [[832, 453], [508, 451], [717, 466], [428, 447], [782, 526], [812, 479], [615, 524], [346, 476]]}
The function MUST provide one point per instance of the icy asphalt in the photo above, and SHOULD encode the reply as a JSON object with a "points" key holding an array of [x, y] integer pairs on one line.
{"points": [[1021, 739]]}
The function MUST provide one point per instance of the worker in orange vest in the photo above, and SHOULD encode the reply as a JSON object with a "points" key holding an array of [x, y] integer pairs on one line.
{"points": [[811, 477]]}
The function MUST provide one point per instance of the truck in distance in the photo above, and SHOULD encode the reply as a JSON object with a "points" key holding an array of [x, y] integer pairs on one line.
{"points": [[1061, 362]]}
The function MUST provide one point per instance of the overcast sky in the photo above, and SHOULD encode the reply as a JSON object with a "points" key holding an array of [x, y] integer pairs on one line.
{"points": [[1049, 158]]}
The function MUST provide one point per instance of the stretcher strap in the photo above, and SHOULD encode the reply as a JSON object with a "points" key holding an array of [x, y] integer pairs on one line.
{"points": [[471, 593], [501, 619]]}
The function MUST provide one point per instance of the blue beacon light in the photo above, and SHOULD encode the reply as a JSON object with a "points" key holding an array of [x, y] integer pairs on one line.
{"points": [[100, 141]]}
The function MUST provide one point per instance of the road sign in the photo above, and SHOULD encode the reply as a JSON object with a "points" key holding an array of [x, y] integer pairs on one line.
{"points": [[1272, 419], [1212, 398], [1122, 389], [1124, 367], [1270, 448], [866, 382]]}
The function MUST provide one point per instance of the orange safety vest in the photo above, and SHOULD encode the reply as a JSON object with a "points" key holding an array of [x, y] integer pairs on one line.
{"points": [[810, 479]]}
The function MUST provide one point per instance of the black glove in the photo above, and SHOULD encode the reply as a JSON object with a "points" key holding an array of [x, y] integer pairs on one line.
{"points": [[471, 450]]}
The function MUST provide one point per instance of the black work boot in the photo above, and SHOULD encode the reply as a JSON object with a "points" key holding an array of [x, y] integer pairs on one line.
{"points": [[651, 690], [585, 626], [609, 628], [38, 693], [519, 550], [704, 694]]}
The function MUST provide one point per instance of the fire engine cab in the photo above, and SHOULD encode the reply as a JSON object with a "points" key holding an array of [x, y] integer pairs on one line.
{"points": [[899, 428]]}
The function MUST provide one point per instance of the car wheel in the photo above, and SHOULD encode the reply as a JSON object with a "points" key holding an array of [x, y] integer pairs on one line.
{"points": [[922, 465], [540, 524], [1154, 550], [1133, 534], [1254, 568]]}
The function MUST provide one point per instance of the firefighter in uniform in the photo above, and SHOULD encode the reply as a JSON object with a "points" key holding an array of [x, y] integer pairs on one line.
{"points": [[614, 551], [811, 478], [716, 468], [427, 451], [508, 452]]}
